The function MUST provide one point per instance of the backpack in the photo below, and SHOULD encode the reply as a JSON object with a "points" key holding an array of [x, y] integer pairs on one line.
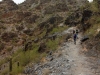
{"points": [[76, 31]]}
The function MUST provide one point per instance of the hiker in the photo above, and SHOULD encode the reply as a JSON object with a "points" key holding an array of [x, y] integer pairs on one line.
{"points": [[77, 33], [73, 31], [74, 38]]}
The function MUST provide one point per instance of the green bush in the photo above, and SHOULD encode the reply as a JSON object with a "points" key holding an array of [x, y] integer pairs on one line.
{"points": [[52, 44], [5, 72], [58, 29], [24, 58]]}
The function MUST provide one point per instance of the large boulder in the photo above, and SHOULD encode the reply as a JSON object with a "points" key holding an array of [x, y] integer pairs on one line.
{"points": [[84, 38]]}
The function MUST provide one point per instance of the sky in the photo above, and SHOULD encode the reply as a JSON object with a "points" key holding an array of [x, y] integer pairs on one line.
{"points": [[90, 0], [20, 1], [17, 1]]}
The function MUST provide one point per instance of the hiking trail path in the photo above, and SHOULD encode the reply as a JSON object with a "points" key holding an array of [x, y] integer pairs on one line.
{"points": [[67, 60]]}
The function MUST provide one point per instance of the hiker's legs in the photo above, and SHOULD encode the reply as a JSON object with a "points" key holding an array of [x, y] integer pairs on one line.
{"points": [[74, 41], [77, 35]]}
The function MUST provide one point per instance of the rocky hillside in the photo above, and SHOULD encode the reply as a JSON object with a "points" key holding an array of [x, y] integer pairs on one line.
{"points": [[93, 30], [29, 19], [33, 26]]}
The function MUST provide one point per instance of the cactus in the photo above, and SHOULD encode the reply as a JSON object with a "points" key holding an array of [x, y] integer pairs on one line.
{"points": [[10, 64]]}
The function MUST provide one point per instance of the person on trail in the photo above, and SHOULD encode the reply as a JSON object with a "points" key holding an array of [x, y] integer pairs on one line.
{"points": [[77, 33], [73, 31], [75, 37]]}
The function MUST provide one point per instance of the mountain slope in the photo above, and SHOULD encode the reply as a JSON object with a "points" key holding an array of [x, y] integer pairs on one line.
{"points": [[32, 27]]}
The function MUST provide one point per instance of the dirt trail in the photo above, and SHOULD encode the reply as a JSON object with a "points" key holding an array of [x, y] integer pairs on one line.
{"points": [[68, 60], [78, 61]]}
